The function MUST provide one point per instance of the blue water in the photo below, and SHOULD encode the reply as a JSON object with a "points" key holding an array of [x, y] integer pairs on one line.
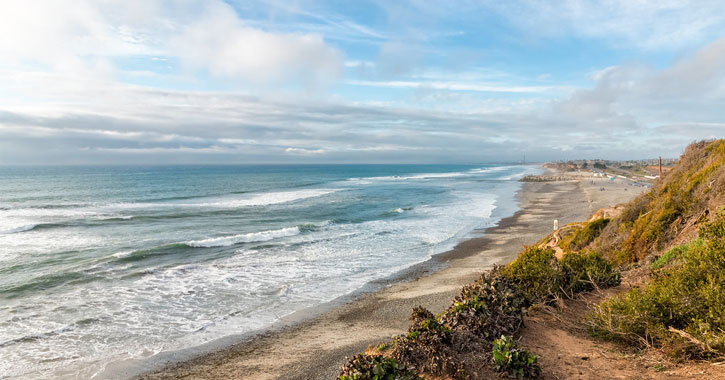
{"points": [[103, 264]]}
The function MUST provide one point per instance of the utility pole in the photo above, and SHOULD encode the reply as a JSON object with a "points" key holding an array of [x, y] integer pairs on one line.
{"points": [[660, 167]]}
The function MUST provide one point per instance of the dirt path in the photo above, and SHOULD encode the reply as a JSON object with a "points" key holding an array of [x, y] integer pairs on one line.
{"points": [[566, 350]]}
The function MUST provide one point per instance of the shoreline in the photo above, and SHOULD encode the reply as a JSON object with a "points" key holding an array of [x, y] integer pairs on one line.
{"points": [[315, 346]]}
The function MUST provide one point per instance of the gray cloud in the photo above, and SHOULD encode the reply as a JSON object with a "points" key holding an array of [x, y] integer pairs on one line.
{"points": [[184, 127]]}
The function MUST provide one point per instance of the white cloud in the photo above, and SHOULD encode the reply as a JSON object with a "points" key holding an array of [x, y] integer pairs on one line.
{"points": [[79, 38], [690, 90], [663, 24], [221, 44], [456, 86], [304, 151], [85, 38]]}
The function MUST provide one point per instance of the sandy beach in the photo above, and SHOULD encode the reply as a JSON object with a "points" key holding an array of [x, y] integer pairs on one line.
{"points": [[315, 348]]}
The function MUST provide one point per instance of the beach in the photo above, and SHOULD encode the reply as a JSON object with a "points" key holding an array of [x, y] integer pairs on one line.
{"points": [[316, 347]]}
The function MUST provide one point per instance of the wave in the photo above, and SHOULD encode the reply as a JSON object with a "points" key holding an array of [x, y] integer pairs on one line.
{"points": [[260, 199], [45, 282], [409, 177], [398, 210], [309, 227], [267, 199], [66, 223], [226, 241], [142, 254], [48, 334], [489, 169], [122, 254], [114, 212], [221, 241], [114, 218], [30, 227], [15, 230], [435, 175]]}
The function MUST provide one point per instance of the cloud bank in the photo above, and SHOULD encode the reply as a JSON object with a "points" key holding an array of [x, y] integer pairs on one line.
{"points": [[214, 82]]}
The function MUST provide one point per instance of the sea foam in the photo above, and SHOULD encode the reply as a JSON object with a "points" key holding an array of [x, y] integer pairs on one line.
{"points": [[226, 241]]}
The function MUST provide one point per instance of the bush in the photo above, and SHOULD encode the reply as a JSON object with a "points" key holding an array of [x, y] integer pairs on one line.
{"points": [[584, 271], [674, 254], [376, 367], [518, 362], [427, 344], [584, 236], [490, 307], [683, 307], [716, 228], [536, 272]]}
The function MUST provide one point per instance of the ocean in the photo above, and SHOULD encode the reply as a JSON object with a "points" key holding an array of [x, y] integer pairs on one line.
{"points": [[101, 265]]}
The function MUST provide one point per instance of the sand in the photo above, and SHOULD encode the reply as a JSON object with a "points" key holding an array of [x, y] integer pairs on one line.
{"points": [[317, 347]]}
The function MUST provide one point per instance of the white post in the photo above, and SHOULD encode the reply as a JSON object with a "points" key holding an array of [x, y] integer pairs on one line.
{"points": [[556, 224]]}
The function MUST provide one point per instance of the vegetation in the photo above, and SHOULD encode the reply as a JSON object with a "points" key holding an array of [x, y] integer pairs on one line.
{"points": [[518, 362], [584, 236], [376, 367], [673, 254], [427, 344], [494, 306], [537, 274], [683, 307], [693, 188], [586, 271], [490, 307]]}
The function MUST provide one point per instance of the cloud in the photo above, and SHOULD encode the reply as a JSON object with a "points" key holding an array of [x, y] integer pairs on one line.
{"points": [[221, 44], [690, 90], [665, 24], [197, 127], [455, 86], [631, 108], [304, 151], [62, 99], [90, 38], [75, 39]]}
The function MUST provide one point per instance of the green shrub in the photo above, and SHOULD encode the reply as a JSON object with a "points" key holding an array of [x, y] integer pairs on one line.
{"points": [[582, 237], [716, 228], [536, 272], [490, 307], [683, 307], [426, 345], [518, 362], [384, 346], [674, 253], [376, 367], [582, 271]]}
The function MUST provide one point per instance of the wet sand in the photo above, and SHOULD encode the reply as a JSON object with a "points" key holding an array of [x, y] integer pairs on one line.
{"points": [[317, 347]]}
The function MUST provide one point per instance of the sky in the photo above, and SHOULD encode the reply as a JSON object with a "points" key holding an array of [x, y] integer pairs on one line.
{"points": [[408, 81]]}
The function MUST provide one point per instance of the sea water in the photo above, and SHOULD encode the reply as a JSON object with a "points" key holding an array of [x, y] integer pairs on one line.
{"points": [[105, 264]]}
